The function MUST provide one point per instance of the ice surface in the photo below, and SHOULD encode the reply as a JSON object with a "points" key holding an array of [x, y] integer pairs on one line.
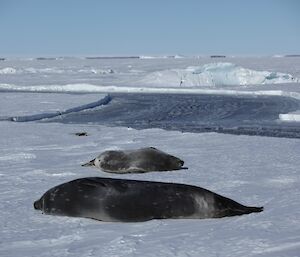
{"points": [[89, 88], [59, 113], [153, 57], [251, 170], [54, 70], [37, 156], [293, 116], [33, 103], [8, 70], [146, 72]]}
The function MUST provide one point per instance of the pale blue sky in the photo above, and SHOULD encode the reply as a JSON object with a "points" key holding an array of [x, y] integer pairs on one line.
{"points": [[133, 27]]}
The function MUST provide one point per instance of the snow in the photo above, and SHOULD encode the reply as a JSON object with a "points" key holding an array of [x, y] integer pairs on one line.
{"points": [[40, 116], [8, 70], [96, 71], [290, 116], [153, 57], [33, 103], [35, 156], [88, 88], [53, 70], [39, 156]]}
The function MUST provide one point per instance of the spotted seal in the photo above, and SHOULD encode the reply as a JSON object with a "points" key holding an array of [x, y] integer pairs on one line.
{"points": [[136, 161], [109, 199]]}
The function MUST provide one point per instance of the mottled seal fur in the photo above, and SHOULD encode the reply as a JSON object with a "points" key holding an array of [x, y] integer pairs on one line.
{"points": [[108, 199], [136, 161]]}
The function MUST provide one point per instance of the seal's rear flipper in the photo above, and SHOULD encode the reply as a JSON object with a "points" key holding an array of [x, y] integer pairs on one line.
{"points": [[241, 210], [253, 209]]}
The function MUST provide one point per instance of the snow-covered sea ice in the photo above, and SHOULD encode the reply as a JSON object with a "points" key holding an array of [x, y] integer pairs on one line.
{"points": [[254, 170]]}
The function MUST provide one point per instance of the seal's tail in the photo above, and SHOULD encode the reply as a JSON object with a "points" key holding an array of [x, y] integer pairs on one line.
{"points": [[230, 207], [245, 210], [250, 209], [241, 210]]}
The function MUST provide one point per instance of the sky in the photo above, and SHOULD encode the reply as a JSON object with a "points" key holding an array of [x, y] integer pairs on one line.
{"points": [[156, 27]]}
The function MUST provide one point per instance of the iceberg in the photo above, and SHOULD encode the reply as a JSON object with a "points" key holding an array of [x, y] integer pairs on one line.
{"points": [[216, 74]]}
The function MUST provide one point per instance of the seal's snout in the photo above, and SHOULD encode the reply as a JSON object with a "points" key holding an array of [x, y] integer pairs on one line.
{"points": [[90, 163], [180, 165], [37, 205]]}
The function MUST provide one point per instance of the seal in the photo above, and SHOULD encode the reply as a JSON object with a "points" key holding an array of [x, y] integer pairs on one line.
{"points": [[108, 199], [136, 161]]}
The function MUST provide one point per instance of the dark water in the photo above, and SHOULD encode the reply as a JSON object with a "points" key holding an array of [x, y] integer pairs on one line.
{"points": [[249, 115]]}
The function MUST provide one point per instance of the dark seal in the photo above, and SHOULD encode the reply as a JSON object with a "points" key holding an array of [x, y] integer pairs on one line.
{"points": [[136, 161], [108, 199]]}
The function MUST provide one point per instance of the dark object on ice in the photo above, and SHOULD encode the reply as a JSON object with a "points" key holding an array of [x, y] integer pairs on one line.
{"points": [[292, 55], [2, 59], [45, 58], [108, 199], [81, 134], [136, 161], [217, 56], [110, 57]]}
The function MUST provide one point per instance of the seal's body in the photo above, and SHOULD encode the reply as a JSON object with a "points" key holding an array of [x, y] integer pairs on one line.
{"points": [[108, 199], [136, 161]]}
